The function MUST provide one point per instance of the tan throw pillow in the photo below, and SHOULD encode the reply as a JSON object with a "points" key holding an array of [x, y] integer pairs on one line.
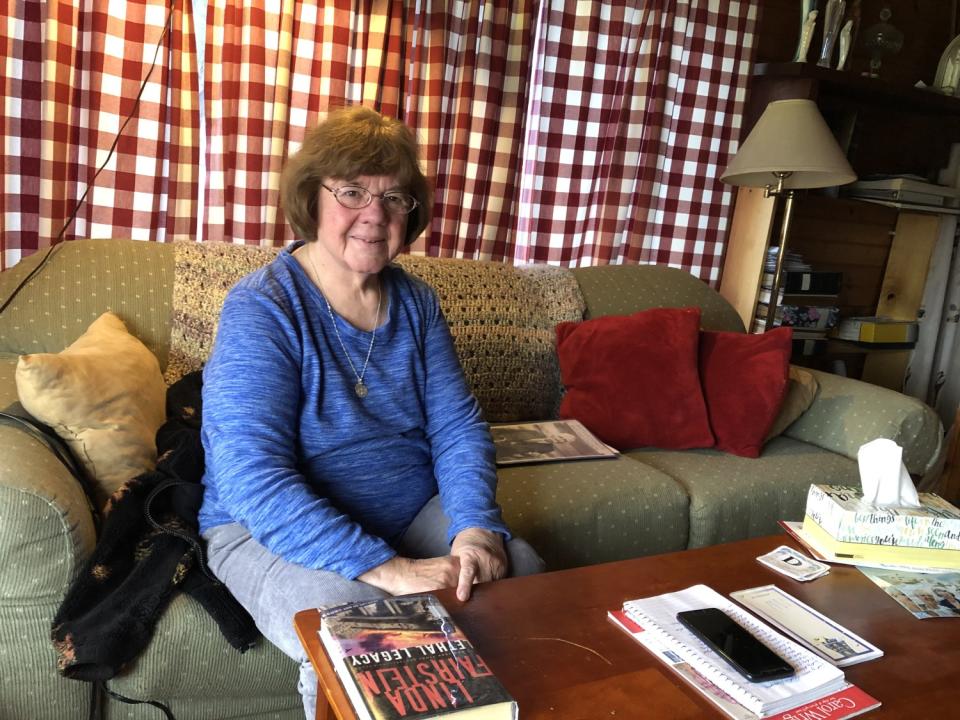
{"points": [[105, 396], [801, 390]]}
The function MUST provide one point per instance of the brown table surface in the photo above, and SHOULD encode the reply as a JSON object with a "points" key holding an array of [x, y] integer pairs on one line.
{"points": [[548, 640]]}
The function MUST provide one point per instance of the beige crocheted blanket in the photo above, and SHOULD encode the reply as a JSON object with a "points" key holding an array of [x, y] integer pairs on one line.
{"points": [[502, 319]]}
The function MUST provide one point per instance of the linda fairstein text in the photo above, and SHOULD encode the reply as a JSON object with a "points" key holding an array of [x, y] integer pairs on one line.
{"points": [[424, 678]]}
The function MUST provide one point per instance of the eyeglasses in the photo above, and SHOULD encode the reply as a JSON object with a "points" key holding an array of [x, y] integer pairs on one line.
{"points": [[354, 197]]}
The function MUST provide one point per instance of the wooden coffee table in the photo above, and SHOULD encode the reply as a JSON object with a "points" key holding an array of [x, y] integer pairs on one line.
{"points": [[548, 639]]}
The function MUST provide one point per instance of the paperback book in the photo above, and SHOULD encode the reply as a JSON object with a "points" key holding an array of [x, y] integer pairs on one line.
{"points": [[847, 555], [889, 553], [842, 513], [808, 317], [404, 657], [545, 441], [819, 282]]}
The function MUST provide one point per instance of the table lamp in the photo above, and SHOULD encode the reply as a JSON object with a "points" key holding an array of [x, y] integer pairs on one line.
{"points": [[789, 148]]}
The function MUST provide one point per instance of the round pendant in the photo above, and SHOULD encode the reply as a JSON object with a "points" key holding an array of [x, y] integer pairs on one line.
{"points": [[360, 389]]}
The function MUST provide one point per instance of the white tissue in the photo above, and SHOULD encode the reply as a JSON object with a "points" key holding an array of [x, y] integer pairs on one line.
{"points": [[884, 477]]}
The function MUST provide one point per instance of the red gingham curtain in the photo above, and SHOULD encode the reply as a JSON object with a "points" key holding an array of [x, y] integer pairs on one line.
{"points": [[634, 112], [81, 65], [570, 133], [467, 96], [273, 71]]}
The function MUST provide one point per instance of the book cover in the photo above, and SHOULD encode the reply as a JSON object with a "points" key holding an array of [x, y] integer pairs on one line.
{"points": [[546, 441], [820, 552], [841, 511], [904, 190], [810, 317], [794, 298], [847, 702], [878, 330], [406, 658], [813, 281], [887, 554]]}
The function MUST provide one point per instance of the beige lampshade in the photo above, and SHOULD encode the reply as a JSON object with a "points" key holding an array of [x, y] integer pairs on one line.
{"points": [[791, 136]]}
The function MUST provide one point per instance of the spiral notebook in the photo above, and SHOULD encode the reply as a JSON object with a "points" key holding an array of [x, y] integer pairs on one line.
{"points": [[813, 679]]}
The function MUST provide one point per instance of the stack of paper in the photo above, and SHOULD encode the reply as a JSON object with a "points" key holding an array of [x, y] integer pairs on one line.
{"points": [[814, 677]]}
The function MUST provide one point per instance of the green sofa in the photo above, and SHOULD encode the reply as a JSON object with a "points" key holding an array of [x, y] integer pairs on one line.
{"points": [[645, 501]]}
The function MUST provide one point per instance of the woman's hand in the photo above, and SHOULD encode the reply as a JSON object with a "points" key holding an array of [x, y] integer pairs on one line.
{"points": [[482, 558], [400, 575]]}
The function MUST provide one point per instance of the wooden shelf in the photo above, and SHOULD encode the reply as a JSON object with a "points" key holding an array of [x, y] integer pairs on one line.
{"points": [[855, 89]]}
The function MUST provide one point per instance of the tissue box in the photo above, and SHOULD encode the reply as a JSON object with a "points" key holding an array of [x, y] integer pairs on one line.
{"points": [[841, 511]]}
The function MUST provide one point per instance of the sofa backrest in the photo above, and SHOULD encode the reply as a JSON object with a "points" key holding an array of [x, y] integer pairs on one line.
{"points": [[626, 289], [76, 283], [502, 319]]}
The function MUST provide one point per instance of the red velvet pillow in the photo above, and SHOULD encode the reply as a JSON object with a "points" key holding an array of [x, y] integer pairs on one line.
{"points": [[633, 380], [744, 381]]}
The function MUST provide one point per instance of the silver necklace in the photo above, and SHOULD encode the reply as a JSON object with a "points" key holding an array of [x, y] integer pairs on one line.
{"points": [[360, 388]]}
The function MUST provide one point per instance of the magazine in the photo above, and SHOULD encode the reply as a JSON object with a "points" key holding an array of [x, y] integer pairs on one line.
{"points": [[547, 441], [926, 595]]}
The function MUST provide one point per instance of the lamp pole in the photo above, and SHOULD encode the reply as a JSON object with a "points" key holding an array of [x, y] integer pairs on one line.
{"points": [[778, 192]]}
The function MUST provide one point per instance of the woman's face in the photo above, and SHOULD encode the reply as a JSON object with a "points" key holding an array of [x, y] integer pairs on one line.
{"points": [[365, 240]]}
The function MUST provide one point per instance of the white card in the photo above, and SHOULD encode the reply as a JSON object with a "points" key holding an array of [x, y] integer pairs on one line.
{"points": [[794, 564], [826, 638]]}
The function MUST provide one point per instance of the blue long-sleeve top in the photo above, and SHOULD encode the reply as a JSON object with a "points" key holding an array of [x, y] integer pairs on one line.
{"points": [[317, 475]]}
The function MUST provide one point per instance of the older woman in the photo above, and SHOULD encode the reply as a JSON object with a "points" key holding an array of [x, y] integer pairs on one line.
{"points": [[346, 457]]}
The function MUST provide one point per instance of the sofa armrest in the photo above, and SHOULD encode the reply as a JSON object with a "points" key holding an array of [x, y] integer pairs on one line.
{"points": [[46, 528], [847, 413]]}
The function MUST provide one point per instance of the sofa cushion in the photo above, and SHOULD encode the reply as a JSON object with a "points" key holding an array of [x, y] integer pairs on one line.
{"points": [[732, 497], [188, 658], [591, 511], [501, 318], [744, 380], [105, 396], [801, 391], [633, 380]]}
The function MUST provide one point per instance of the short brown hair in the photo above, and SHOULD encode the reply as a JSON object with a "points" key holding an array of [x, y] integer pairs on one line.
{"points": [[352, 141]]}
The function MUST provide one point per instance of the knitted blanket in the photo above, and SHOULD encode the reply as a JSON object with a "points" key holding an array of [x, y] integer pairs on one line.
{"points": [[502, 319]]}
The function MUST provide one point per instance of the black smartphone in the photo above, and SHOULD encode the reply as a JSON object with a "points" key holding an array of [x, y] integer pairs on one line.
{"points": [[750, 657]]}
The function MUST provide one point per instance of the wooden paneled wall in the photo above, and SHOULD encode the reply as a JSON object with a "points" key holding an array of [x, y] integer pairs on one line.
{"points": [[846, 236]]}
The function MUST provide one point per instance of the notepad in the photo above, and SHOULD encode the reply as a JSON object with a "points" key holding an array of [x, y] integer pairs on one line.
{"points": [[814, 676]]}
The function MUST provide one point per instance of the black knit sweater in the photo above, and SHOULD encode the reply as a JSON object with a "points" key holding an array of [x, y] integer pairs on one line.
{"points": [[149, 547]]}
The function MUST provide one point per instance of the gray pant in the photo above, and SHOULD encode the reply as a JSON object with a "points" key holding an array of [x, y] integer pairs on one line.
{"points": [[273, 590]]}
